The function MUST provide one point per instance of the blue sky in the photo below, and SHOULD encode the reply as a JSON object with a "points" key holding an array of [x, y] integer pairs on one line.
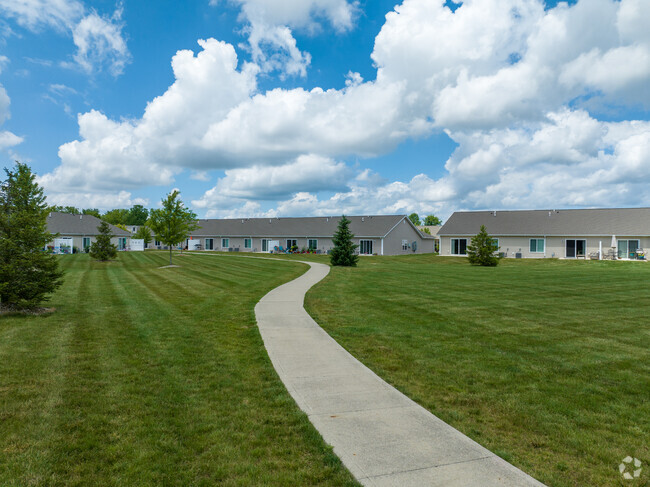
{"points": [[313, 107]]}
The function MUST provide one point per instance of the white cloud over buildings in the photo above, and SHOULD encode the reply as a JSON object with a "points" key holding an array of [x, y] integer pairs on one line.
{"points": [[517, 86]]}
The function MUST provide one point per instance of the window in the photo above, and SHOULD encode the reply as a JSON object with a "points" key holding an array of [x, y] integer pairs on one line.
{"points": [[458, 246], [86, 244], [495, 242], [209, 244], [313, 244], [405, 244], [365, 247], [627, 249], [248, 243], [291, 242], [121, 243], [156, 243], [537, 245], [225, 243], [265, 245]]}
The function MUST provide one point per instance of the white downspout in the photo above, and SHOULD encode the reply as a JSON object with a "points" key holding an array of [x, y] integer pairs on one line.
{"points": [[382, 246]]}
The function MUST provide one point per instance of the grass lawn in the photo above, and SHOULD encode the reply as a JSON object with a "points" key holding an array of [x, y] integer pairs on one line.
{"points": [[546, 363], [150, 376]]}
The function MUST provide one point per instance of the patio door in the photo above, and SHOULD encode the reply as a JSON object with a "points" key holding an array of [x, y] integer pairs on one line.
{"points": [[576, 249], [627, 249], [365, 247]]}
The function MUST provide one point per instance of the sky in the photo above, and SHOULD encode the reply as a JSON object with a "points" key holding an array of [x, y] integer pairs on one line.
{"points": [[255, 108]]}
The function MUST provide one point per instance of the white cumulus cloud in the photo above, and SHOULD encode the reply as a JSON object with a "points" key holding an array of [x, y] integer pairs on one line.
{"points": [[270, 24], [99, 39], [512, 83]]}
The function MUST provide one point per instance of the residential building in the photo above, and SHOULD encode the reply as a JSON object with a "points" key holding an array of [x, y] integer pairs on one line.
{"points": [[616, 233], [80, 231], [375, 234]]}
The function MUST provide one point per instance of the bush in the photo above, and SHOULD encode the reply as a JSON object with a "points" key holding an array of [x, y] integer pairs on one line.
{"points": [[482, 249]]}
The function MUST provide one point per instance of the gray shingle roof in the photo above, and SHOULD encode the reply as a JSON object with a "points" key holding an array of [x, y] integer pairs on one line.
{"points": [[68, 224], [361, 226], [630, 222]]}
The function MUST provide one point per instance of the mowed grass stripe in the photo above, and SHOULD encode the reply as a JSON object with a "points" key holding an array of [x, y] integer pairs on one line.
{"points": [[156, 385], [544, 362]]}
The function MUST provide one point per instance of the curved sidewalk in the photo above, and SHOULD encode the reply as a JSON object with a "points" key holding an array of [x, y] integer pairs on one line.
{"points": [[382, 437]]}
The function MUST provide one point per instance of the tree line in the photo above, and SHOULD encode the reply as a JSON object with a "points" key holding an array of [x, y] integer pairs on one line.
{"points": [[136, 215]]}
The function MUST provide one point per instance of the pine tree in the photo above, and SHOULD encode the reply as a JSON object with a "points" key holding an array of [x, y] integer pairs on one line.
{"points": [[27, 273], [102, 248], [482, 249], [343, 252]]}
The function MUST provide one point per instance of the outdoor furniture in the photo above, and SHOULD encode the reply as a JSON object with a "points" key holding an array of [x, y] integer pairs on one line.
{"points": [[610, 255], [594, 255]]}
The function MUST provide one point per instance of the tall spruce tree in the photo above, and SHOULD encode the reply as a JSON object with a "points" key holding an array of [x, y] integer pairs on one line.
{"points": [[172, 223], [27, 273], [102, 248], [343, 253], [482, 249]]}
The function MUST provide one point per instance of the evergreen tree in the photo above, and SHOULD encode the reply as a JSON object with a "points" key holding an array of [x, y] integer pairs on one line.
{"points": [[173, 222], [343, 252], [27, 273], [102, 248], [482, 249]]}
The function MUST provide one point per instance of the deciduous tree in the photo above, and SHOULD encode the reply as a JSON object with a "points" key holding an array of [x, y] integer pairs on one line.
{"points": [[432, 221], [116, 216], [27, 273], [92, 211], [173, 222], [137, 215], [343, 253], [415, 219], [143, 233]]}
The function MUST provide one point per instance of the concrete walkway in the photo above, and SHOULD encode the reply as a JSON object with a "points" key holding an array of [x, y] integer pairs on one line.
{"points": [[382, 437]]}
